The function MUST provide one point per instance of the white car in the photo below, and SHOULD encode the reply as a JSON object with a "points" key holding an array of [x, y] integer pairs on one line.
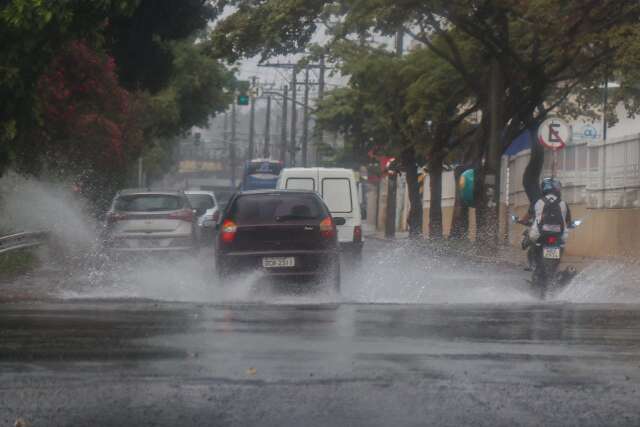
{"points": [[206, 209], [339, 190]]}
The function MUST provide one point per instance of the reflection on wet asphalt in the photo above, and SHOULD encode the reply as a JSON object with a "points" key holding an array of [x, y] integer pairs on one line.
{"points": [[117, 363], [435, 342]]}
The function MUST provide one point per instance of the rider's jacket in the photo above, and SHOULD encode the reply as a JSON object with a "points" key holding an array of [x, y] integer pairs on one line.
{"points": [[535, 230]]}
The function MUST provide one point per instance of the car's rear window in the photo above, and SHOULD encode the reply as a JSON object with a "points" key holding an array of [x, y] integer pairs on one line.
{"points": [[201, 201], [276, 208], [149, 203]]}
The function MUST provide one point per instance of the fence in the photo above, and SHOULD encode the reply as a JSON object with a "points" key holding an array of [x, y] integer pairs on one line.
{"points": [[22, 241], [594, 174]]}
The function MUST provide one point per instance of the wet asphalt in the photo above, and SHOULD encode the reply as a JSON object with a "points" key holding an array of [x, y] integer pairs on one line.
{"points": [[342, 362]]}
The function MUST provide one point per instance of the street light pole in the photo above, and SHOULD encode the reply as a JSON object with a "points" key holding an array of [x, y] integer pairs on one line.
{"points": [[267, 130], [283, 136], [305, 128], [294, 117]]}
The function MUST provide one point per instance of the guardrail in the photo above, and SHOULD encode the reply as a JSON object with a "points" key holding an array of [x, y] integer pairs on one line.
{"points": [[22, 240]]}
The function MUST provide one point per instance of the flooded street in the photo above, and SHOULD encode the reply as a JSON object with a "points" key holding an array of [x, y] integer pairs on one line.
{"points": [[415, 338]]}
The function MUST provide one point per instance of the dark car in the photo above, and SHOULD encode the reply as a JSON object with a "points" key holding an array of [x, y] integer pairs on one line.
{"points": [[282, 233]]}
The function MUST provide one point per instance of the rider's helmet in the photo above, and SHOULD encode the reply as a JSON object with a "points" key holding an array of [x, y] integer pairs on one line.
{"points": [[551, 186]]}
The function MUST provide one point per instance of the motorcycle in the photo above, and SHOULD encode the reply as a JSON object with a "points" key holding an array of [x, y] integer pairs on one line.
{"points": [[545, 256]]}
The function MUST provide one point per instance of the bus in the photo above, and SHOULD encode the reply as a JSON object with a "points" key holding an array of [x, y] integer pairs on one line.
{"points": [[260, 174]]}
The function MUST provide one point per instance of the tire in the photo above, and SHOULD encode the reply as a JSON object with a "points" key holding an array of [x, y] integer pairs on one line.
{"points": [[544, 275]]}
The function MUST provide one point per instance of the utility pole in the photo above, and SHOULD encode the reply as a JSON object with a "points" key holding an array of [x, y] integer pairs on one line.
{"points": [[232, 146], [305, 128], [294, 116], [317, 130], [252, 119], [267, 130], [392, 178], [283, 137]]}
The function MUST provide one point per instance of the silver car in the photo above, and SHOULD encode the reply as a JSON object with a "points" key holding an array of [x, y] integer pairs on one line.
{"points": [[206, 208], [150, 221]]}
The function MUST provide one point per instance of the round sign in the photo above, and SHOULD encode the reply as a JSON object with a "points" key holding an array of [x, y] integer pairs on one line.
{"points": [[554, 133]]}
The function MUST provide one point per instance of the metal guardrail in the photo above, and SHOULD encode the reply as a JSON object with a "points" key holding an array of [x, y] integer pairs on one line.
{"points": [[22, 240]]}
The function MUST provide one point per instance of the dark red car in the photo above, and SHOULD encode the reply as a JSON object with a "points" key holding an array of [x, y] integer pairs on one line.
{"points": [[283, 233]]}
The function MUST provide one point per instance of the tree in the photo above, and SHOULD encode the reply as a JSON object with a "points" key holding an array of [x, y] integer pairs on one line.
{"points": [[439, 103], [199, 88], [141, 42], [89, 123], [31, 34], [539, 52], [409, 107]]}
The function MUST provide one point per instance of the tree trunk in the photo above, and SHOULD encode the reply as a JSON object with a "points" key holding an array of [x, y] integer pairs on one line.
{"points": [[414, 219], [531, 175], [488, 180], [460, 220], [435, 207]]}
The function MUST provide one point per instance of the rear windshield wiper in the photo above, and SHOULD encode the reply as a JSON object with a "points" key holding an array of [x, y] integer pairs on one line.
{"points": [[290, 217]]}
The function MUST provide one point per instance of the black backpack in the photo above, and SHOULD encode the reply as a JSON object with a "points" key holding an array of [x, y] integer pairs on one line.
{"points": [[552, 219]]}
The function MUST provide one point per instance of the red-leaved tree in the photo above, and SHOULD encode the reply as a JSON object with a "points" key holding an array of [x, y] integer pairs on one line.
{"points": [[89, 122]]}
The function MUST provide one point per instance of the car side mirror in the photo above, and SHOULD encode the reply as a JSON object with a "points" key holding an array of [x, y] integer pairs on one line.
{"points": [[339, 221]]}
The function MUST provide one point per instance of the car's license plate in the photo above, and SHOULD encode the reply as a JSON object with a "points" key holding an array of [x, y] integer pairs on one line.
{"points": [[278, 262], [552, 253]]}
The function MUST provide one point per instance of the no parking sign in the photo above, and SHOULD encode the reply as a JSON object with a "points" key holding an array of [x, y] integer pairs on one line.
{"points": [[554, 133]]}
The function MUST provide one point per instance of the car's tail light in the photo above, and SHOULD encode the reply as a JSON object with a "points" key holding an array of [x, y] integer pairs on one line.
{"points": [[183, 215], [357, 234], [552, 240], [327, 229], [229, 229], [115, 217]]}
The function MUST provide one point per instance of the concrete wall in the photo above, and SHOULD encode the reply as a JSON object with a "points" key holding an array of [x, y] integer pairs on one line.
{"points": [[604, 233]]}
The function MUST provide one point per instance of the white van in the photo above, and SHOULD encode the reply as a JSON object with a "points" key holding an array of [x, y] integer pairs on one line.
{"points": [[339, 190]]}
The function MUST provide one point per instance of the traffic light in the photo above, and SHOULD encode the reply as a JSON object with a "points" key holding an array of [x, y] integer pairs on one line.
{"points": [[242, 91]]}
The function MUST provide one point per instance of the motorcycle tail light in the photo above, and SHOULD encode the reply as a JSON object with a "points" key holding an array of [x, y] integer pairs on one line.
{"points": [[552, 240]]}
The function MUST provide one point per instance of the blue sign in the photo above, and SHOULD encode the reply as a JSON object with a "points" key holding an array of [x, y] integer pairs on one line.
{"points": [[586, 132]]}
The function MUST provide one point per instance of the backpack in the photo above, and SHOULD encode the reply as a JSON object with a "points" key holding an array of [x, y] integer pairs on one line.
{"points": [[552, 218]]}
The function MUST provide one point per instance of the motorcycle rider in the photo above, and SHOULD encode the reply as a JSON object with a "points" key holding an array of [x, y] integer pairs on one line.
{"points": [[551, 193], [551, 213]]}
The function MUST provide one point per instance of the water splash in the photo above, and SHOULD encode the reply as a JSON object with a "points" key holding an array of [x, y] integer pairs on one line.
{"points": [[604, 282]]}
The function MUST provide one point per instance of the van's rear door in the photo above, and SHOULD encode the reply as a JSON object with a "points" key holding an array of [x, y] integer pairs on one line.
{"points": [[339, 194]]}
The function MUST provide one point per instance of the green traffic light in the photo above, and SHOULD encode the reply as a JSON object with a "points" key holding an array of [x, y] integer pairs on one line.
{"points": [[243, 99]]}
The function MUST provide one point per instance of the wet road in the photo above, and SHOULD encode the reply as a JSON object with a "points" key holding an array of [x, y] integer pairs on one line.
{"points": [[454, 352]]}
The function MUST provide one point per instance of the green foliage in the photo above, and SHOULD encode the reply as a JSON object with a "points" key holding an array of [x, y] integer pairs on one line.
{"points": [[81, 121], [141, 43], [545, 50], [268, 27], [393, 103], [198, 88], [31, 32]]}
